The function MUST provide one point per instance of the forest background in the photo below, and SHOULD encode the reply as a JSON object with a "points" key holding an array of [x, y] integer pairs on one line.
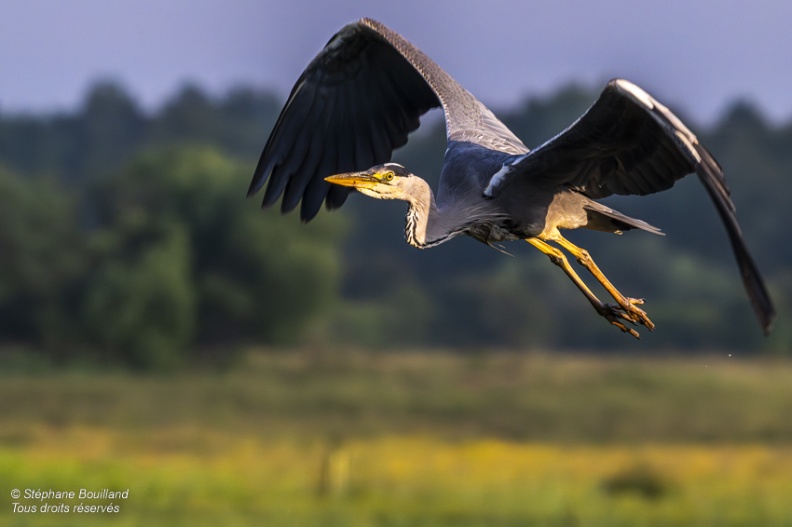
{"points": [[126, 239]]}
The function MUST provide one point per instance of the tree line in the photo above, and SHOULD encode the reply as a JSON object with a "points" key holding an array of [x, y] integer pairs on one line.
{"points": [[125, 237]]}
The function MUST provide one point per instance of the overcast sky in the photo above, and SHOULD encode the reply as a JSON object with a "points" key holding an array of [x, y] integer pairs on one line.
{"points": [[695, 55]]}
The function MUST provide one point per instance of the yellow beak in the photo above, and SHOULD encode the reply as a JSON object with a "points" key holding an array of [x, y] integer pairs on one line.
{"points": [[353, 179]]}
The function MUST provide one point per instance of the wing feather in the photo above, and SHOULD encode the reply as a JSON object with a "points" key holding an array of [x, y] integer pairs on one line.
{"points": [[306, 164], [289, 160], [353, 105], [629, 143]]}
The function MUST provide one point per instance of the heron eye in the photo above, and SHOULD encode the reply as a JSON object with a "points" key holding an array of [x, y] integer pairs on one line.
{"points": [[388, 176]]}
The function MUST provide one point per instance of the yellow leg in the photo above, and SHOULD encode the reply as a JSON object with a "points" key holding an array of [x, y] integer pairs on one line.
{"points": [[610, 312], [636, 314]]}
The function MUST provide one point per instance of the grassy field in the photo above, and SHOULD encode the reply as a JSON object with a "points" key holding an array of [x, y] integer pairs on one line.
{"points": [[366, 439]]}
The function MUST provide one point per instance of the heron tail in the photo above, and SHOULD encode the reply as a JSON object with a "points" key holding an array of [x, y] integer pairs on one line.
{"points": [[602, 218]]}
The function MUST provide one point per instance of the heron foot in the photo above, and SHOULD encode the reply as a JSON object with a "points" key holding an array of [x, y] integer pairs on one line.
{"points": [[636, 315], [616, 315]]}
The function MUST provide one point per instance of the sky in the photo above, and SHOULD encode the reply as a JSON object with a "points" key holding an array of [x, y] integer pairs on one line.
{"points": [[696, 56]]}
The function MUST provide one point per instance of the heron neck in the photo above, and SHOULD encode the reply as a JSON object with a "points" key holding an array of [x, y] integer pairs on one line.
{"points": [[422, 225]]}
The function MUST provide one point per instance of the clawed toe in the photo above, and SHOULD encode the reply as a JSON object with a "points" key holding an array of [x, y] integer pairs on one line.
{"points": [[638, 315], [617, 314]]}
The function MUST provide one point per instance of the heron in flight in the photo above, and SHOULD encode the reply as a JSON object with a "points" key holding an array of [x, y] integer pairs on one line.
{"points": [[364, 93]]}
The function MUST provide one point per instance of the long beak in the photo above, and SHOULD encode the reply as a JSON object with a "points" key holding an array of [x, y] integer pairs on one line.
{"points": [[353, 179]]}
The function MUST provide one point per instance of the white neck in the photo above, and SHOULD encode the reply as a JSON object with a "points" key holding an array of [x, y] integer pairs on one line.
{"points": [[422, 216]]}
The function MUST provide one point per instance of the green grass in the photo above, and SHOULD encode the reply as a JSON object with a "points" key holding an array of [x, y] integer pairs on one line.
{"points": [[350, 438], [520, 397]]}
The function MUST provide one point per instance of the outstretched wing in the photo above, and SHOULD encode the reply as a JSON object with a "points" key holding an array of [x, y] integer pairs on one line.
{"points": [[353, 105], [628, 143]]}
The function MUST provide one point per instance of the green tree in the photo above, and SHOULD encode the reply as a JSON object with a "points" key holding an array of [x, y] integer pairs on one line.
{"points": [[139, 307], [256, 276], [112, 128], [236, 123], [42, 258]]}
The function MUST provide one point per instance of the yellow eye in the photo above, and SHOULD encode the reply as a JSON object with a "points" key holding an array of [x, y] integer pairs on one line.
{"points": [[387, 176]]}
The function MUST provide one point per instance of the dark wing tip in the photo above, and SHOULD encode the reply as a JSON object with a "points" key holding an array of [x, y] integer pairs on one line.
{"points": [[757, 293], [258, 181], [711, 177]]}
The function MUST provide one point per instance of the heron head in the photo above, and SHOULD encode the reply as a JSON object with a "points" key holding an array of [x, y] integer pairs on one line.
{"points": [[388, 181]]}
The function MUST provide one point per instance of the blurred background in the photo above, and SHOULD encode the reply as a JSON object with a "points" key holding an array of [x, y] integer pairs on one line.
{"points": [[160, 332]]}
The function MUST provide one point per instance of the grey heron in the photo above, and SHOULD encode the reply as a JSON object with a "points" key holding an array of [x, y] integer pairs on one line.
{"points": [[364, 93]]}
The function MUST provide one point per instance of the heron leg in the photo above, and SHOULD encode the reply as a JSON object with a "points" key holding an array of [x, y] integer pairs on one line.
{"points": [[611, 313], [629, 305]]}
